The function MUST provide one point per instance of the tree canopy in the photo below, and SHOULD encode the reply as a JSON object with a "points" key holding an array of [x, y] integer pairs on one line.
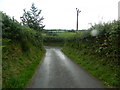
{"points": [[33, 18]]}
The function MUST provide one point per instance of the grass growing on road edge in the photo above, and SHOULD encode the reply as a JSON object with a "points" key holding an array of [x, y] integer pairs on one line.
{"points": [[22, 50], [94, 66], [18, 66]]}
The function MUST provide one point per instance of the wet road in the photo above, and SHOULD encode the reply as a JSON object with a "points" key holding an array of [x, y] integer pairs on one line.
{"points": [[58, 71]]}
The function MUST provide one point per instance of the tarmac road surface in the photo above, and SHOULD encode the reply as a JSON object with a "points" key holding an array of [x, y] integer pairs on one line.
{"points": [[58, 71]]}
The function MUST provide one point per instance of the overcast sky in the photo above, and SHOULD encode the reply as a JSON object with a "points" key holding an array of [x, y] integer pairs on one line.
{"points": [[61, 14]]}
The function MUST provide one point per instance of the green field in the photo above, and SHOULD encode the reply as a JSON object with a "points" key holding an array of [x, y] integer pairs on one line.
{"points": [[56, 37], [59, 33], [66, 34]]}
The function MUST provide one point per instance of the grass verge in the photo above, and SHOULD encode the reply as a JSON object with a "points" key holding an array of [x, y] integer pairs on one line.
{"points": [[95, 66], [18, 66]]}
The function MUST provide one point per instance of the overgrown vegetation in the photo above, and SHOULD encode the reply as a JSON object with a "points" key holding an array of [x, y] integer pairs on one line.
{"points": [[22, 50], [53, 41], [97, 50], [56, 37]]}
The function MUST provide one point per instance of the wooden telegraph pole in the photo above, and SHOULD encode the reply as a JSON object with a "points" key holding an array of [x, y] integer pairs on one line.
{"points": [[78, 11], [119, 10]]}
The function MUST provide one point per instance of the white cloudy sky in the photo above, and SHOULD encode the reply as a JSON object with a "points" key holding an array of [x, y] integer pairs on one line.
{"points": [[61, 14]]}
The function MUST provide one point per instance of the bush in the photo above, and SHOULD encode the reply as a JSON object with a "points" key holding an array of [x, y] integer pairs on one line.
{"points": [[105, 44], [13, 30]]}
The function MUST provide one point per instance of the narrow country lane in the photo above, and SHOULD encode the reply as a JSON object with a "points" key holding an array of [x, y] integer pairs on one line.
{"points": [[58, 71]]}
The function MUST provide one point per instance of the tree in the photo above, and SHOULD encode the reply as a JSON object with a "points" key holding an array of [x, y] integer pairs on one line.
{"points": [[32, 18]]}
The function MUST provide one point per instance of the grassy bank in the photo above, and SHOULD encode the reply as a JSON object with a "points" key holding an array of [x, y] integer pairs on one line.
{"points": [[22, 51], [18, 66], [97, 50], [95, 66]]}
